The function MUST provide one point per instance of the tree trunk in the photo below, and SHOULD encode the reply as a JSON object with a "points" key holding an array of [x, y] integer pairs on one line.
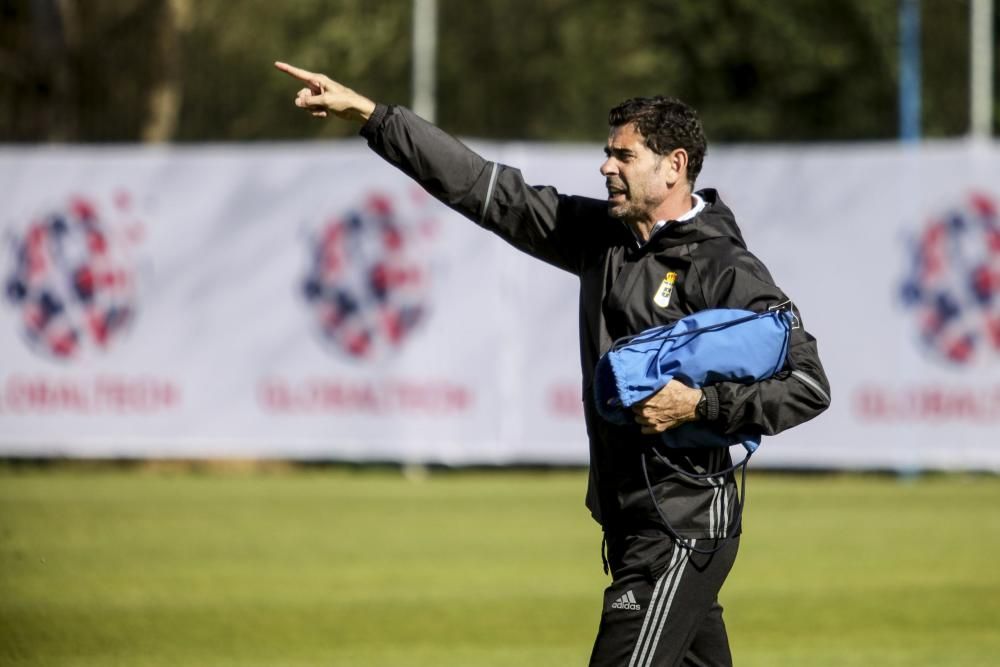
{"points": [[165, 94]]}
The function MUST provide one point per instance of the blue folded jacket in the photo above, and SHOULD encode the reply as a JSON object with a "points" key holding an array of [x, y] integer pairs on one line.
{"points": [[718, 345]]}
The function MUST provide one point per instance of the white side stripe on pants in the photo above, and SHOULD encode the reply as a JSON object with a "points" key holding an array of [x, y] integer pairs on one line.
{"points": [[714, 516], [659, 608], [718, 511]]}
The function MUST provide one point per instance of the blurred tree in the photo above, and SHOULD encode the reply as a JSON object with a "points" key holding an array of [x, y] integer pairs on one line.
{"points": [[166, 91], [945, 49], [35, 78], [758, 70], [85, 71], [775, 70], [231, 89], [792, 71]]}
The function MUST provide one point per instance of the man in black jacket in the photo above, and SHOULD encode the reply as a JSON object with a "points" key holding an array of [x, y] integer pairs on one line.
{"points": [[653, 252]]}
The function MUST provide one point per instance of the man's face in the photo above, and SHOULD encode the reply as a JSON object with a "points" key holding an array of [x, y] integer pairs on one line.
{"points": [[635, 176]]}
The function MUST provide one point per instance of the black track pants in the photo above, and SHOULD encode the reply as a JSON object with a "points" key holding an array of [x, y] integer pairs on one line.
{"points": [[662, 606]]}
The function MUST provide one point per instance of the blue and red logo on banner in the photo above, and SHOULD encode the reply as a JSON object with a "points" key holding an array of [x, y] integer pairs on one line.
{"points": [[953, 282], [71, 279], [366, 283]]}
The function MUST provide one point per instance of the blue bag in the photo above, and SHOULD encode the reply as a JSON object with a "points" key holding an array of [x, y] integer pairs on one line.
{"points": [[717, 345]]}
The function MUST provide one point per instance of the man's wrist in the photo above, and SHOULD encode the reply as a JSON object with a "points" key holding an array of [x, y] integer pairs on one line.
{"points": [[374, 120], [364, 108], [708, 405]]}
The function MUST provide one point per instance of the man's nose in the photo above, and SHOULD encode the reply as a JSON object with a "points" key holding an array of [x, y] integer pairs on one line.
{"points": [[608, 167]]}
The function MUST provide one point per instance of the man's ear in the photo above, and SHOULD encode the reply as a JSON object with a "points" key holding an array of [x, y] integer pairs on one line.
{"points": [[676, 162]]}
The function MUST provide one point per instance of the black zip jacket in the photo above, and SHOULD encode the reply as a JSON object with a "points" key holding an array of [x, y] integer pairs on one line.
{"points": [[618, 280]]}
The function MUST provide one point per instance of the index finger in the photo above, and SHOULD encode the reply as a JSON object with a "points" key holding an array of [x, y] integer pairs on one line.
{"points": [[300, 74]]}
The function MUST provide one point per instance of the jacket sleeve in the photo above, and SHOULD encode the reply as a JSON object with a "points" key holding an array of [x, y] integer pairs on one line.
{"points": [[536, 220], [798, 392]]}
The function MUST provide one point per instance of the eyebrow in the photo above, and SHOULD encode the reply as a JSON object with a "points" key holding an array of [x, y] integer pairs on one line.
{"points": [[618, 152]]}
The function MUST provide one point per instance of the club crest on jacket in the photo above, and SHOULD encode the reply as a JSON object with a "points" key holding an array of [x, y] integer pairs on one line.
{"points": [[666, 288]]}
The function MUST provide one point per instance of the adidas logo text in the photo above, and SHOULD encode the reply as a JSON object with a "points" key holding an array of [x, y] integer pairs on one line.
{"points": [[626, 601], [625, 605]]}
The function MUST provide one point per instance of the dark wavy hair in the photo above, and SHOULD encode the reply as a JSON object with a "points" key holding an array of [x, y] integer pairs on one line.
{"points": [[667, 124]]}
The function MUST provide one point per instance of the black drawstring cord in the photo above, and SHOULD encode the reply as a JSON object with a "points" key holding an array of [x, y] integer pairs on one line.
{"points": [[669, 334], [604, 553], [731, 530], [665, 461]]}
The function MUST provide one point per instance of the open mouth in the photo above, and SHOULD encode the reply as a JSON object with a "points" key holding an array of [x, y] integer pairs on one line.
{"points": [[615, 192]]}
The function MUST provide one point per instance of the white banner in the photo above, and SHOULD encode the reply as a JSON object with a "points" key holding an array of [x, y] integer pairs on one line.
{"points": [[307, 301]]}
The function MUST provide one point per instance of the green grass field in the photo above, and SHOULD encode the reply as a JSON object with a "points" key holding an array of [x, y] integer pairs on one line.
{"points": [[102, 566]]}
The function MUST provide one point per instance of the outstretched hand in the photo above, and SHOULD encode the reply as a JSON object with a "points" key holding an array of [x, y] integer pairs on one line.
{"points": [[323, 96]]}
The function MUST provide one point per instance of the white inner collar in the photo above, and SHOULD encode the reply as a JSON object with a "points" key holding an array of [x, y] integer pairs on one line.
{"points": [[699, 206]]}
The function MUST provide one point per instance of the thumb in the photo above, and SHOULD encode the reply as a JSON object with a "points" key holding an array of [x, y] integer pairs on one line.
{"points": [[306, 101]]}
